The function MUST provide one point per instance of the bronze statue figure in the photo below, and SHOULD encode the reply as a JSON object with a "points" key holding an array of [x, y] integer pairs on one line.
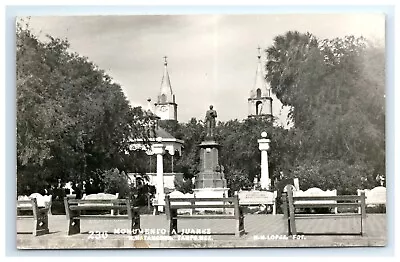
{"points": [[211, 114]]}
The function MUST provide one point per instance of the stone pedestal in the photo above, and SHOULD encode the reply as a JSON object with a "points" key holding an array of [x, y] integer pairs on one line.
{"points": [[210, 182], [211, 173]]}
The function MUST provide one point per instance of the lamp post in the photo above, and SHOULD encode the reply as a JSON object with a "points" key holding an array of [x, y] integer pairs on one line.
{"points": [[263, 145]]}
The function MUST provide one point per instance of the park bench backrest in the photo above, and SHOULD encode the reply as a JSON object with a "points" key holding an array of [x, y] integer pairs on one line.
{"points": [[315, 192], [356, 201], [100, 196], [74, 205], [28, 205], [199, 203], [97, 204]]}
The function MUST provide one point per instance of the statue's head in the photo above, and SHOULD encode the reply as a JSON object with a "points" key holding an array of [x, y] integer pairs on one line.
{"points": [[211, 107]]}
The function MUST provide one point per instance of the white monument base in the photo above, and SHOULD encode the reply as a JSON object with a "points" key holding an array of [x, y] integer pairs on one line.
{"points": [[212, 193]]}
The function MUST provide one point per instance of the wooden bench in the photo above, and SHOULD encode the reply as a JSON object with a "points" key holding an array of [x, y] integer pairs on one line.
{"points": [[175, 194], [315, 192], [39, 215], [171, 210], [74, 208], [101, 196], [292, 204]]}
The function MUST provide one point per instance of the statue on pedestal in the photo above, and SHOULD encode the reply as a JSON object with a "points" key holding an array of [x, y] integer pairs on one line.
{"points": [[210, 181], [211, 114]]}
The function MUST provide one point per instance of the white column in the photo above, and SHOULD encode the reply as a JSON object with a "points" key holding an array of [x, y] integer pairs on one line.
{"points": [[159, 150], [160, 174], [263, 143], [264, 180]]}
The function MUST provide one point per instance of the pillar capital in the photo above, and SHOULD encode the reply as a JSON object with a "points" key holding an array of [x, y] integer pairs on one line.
{"points": [[263, 144], [158, 149]]}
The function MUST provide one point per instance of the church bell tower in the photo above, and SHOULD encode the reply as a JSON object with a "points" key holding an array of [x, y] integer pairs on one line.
{"points": [[165, 107], [260, 100]]}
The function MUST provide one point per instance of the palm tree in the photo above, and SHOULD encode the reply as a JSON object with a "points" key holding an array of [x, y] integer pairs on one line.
{"points": [[284, 58]]}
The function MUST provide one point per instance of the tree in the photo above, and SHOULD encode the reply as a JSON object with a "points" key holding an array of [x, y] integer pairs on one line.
{"points": [[183, 185], [285, 59], [71, 118], [116, 182], [336, 93], [192, 133]]}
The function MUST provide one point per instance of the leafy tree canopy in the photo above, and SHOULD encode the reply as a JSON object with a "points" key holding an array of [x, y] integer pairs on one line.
{"points": [[71, 118]]}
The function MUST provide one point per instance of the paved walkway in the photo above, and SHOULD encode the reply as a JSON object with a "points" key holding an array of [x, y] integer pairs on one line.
{"points": [[261, 231]]}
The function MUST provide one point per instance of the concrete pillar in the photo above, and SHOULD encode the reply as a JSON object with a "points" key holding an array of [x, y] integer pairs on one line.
{"points": [[159, 150], [263, 144]]}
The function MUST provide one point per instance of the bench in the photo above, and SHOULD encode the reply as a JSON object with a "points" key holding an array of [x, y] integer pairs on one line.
{"points": [[316, 192], [101, 196], [175, 194], [39, 215], [172, 205], [74, 208], [292, 204]]}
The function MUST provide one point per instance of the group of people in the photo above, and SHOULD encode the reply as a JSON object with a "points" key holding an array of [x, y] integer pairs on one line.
{"points": [[79, 189]]}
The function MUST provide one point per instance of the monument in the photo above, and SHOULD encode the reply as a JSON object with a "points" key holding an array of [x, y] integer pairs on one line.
{"points": [[263, 198], [210, 181]]}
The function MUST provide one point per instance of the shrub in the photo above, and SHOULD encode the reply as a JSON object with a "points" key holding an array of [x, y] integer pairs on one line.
{"points": [[116, 182], [183, 185], [334, 174]]}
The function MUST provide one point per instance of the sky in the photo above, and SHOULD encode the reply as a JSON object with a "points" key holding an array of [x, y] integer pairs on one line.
{"points": [[212, 59]]}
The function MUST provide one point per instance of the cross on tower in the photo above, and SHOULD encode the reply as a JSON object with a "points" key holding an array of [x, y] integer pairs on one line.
{"points": [[259, 52], [165, 60]]}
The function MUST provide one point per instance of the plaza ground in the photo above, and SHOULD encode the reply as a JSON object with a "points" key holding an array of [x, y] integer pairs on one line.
{"points": [[261, 231]]}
